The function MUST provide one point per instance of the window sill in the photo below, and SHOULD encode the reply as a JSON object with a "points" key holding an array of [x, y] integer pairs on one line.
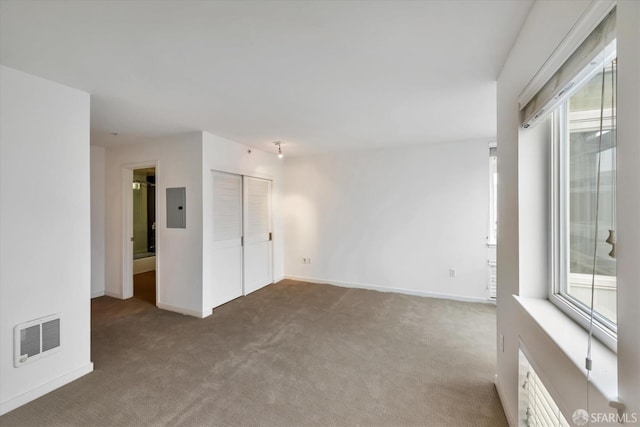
{"points": [[572, 340]]}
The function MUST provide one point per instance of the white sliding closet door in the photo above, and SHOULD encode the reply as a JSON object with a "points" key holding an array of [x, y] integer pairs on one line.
{"points": [[227, 237], [258, 250]]}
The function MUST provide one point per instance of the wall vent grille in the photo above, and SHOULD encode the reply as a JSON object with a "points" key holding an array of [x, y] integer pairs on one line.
{"points": [[493, 280], [539, 408], [35, 339]]}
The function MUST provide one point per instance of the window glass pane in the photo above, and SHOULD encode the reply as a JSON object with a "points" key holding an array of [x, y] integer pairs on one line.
{"points": [[585, 146]]}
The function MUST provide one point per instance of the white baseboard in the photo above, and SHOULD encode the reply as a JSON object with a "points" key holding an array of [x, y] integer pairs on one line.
{"points": [[40, 391], [279, 278], [183, 310], [389, 289], [113, 294], [510, 420], [97, 294], [142, 265]]}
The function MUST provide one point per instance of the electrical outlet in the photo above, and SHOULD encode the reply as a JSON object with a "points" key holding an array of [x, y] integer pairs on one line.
{"points": [[452, 272], [308, 260]]}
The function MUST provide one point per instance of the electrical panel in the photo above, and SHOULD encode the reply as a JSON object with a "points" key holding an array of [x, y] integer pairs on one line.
{"points": [[176, 207]]}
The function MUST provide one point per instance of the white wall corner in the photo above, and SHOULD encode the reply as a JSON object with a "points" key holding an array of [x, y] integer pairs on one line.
{"points": [[200, 314], [35, 113], [113, 294], [510, 417], [40, 391], [97, 294]]}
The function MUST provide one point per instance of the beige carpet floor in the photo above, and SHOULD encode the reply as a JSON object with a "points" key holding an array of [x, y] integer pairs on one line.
{"points": [[291, 354]]}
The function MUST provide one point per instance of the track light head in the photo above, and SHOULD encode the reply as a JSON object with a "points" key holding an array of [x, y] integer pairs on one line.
{"points": [[279, 144]]}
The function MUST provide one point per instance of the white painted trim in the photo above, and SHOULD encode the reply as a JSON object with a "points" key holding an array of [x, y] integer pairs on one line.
{"points": [[98, 294], [183, 310], [510, 420], [589, 20], [113, 295], [389, 289], [279, 278], [241, 172], [142, 265], [127, 233], [48, 387], [571, 339]]}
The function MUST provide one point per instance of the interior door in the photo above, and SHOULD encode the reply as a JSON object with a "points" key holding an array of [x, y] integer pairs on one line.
{"points": [[227, 237], [258, 248]]}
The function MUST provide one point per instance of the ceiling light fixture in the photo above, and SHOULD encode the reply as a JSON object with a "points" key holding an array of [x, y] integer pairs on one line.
{"points": [[279, 144]]}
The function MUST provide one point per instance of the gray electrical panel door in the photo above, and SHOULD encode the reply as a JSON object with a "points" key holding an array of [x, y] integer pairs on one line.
{"points": [[176, 207]]}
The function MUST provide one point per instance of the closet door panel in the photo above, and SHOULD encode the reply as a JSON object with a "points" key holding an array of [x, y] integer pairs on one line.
{"points": [[227, 237], [258, 247]]}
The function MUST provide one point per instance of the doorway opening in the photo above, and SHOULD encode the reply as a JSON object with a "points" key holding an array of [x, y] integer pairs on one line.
{"points": [[144, 234]]}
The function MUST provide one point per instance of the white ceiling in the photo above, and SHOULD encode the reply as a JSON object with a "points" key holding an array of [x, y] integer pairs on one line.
{"points": [[319, 75]]}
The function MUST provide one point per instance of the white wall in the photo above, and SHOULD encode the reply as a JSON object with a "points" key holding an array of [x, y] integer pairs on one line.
{"points": [[98, 159], [44, 212], [219, 154], [183, 273], [178, 251], [143, 265], [393, 219], [522, 259]]}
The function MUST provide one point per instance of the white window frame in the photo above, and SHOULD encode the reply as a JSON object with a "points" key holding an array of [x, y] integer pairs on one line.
{"points": [[603, 329]]}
